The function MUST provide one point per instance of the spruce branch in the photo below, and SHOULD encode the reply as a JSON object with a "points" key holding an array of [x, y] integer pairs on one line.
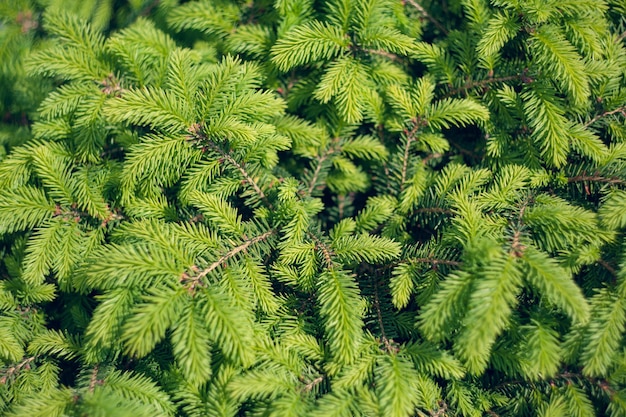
{"points": [[197, 279], [621, 110], [159, 165], [405, 162]]}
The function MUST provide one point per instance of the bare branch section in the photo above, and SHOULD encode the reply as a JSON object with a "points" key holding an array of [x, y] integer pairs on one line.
{"points": [[94, 380], [330, 151], [12, 371], [411, 136], [244, 173], [326, 251], [385, 54], [309, 387], [427, 15], [318, 169], [197, 280], [596, 178], [607, 266], [434, 261], [379, 317], [469, 85], [621, 110]]}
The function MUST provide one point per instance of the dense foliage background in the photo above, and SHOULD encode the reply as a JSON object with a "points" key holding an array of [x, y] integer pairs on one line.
{"points": [[312, 208]]}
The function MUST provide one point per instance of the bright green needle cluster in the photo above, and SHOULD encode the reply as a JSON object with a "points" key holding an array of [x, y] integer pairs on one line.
{"points": [[313, 208]]}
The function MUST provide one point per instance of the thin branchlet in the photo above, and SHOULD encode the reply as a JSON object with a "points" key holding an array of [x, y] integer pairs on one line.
{"points": [[198, 280], [198, 134], [427, 15], [620, 110], [328, 152]]}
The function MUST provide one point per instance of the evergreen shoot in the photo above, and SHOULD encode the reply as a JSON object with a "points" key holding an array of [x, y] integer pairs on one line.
{"points": [[313, 208]]}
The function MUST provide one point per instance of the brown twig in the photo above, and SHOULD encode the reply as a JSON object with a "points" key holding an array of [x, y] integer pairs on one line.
{"points": [[427, 15], [380, 316], [244, 173], [26, 21], [387, 173], [434, 261], [10, 371], [441, 411], [596, 178], [565, 375], [308, 387], [517, 247], [341, 203], [327, 153], [197, 280], [463, 150], [317, 171], [434, 210], [198, 134], [147, 10], [482, 83], [606, 266], [325, 250], [621, 110], [111, 86], [431, 156], [385, 54], [410, 138], [93, 381]]}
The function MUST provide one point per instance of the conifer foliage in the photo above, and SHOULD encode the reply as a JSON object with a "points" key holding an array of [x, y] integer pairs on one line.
{"points": [[313, 208]]}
